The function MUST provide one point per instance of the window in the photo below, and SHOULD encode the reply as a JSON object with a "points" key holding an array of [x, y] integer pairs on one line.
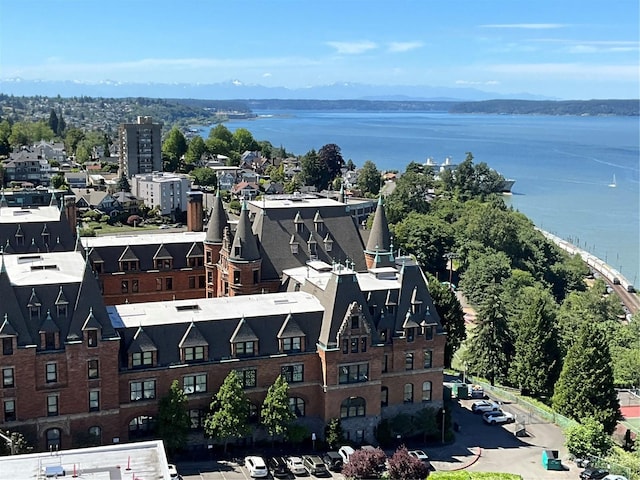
{"points": [[296, 405], [92, 338], [139, 359], [410, 334], [428, 334], [353, 407], [158, 284], [354, 373], [244, 348], [209, 256], [201, 283], [192, 282], [236, 277], [52, 405], [292, 344], [426, 392], [248, 378], [363, 344], [143, 390], [7, 346], [163, 263], [95, 435], [345, 346], [256, 277], [51, 372], [142, 426], [34, 313], [10, 411], [49, 340], [385, 363], [8, 380], [92, 369], [193, 353], [135, 286], [428, 358], [408, 393], [293, 373], [197, 417], [408, 361], [355, 321], [354, 345], [61, 311], [384, 396], [124, 286], [168, 283], [94, 400], [53, 439], [195, 384]]}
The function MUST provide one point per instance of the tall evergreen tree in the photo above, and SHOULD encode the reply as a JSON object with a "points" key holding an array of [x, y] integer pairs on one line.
{"points": [[276, 416], [53, 121], [123, 183], [490, 349], [369, 178], [536, 361], [452, 316], [230, 411], [331, 156], [585, 387], [173, 418]]}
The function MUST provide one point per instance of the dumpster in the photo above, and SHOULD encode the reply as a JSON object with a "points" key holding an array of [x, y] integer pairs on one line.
{"points": [[550, 460], [460, 390]]}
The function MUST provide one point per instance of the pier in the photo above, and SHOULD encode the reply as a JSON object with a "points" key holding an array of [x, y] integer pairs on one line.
{"points": [[620, 285]]}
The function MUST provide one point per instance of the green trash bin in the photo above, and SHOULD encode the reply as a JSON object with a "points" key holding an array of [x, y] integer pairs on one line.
{"points": [[550, 460]]}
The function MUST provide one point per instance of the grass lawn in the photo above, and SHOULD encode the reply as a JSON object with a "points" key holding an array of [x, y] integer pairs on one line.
{"points": [[464, 475], [106, 229]]}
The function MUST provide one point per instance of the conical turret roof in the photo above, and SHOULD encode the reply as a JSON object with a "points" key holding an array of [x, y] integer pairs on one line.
{"points": [[217, 221], [379, 238], [245, 244]]}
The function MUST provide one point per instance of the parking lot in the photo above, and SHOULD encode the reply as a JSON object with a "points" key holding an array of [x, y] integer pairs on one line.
{"points": [[224, 470]]}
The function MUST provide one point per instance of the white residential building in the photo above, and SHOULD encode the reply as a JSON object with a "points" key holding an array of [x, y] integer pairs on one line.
{"points": [[168, 190]]}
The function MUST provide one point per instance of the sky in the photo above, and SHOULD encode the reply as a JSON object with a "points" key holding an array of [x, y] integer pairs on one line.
{"points": [[565, 49]]}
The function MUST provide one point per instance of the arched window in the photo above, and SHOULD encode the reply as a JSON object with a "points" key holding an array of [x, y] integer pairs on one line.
{"points": [[142, 426], [296, 404], [95, 436], [408, 393], [426, 392], [53, 438], [353, 407], [408, 361], [384, 396]]}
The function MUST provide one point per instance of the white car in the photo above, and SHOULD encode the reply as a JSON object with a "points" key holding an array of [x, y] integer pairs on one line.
{"points": [[497, 417], [614, 477], [345, 452], [420, 455], [256, 466], [173, 472], [296, 466], [483, 406]]}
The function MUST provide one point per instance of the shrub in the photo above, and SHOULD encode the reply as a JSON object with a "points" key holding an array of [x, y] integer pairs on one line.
{"points": [[402, 465], [365, 464]]}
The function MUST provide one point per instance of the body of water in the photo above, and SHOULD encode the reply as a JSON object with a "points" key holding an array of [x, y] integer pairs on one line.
{"points": [[563, 166]]}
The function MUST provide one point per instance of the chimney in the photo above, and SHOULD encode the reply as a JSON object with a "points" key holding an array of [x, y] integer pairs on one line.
{"points": [[194, 211], [71, 212]]}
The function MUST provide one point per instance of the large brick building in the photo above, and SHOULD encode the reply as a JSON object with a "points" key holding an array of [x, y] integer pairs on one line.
{"points": [[352, 328]]}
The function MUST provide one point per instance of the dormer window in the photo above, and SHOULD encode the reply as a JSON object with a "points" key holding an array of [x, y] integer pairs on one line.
{"points": [[125, 266], [34, 312], [193, 354], [164, 263], [294, 245], [299, 223], [245, 349], [45, 238], [293, 344], [355, 322], [410, 333], [61, 311], [92, 338], [416, 308], [98, 266], [328, 243], [142, 359]]}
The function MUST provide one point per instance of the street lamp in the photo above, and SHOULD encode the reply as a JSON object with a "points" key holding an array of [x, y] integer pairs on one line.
{"points": [[450, 256], [443, 421]]}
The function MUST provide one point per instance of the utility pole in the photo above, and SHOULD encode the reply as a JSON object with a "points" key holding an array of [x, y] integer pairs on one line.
{"points": [[450, 256], [12, 447]]}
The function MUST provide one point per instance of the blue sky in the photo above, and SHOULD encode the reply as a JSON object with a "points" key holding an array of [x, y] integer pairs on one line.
{"points": [[557, 48]]}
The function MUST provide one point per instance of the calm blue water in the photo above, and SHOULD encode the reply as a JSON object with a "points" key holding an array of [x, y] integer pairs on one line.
{"points": [[562, 165]]}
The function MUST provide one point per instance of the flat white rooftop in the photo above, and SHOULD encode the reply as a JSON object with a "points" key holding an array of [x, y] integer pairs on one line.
{"points": [[143, 239], [376, 279], [29, 215], [208, 309], [145, 460], [44, 268]]}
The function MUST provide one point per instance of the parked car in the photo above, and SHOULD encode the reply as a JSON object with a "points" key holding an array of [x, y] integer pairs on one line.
{"points": [[333, 461], [315, 466], [173, 472], [420, 455], [483, 406], [496, 417], [345, 452], [296, 466], [614, 477], [593, 473], [256, 466], [278, 466]]}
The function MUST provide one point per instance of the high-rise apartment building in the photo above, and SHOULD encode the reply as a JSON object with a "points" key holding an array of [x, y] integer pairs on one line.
{"points": [[140, 147]]}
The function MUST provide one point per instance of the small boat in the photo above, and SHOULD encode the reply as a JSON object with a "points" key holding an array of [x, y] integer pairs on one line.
{"points": [[613, 182]]}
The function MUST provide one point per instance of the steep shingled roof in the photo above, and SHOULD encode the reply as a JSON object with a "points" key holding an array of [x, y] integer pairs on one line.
{"points": [[217, 221], [245, 244]]}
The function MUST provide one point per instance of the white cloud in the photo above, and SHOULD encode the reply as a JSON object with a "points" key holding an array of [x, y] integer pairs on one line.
{"points": [[398, 47], [266, 75], [526, 26], [352, 48]]}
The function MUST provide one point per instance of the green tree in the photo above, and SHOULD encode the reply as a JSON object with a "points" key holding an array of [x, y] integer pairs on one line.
{"points": [[536, 361], [275, 415], [585, 386], [204, 176], [195, 150], [451, 315], [173, 418], [173, 148], [333, 433], [588, 438], [230, 411], [427, 237], [402, 465], [365, 464], [484, 270], [72, 138], [243, 141], [62, 126], [331, 156], [59, 182], [123, 183], [489, 351], [53, 121], [410, 195], [5, 133], [314, 172], [369, 178], [19, 443]]}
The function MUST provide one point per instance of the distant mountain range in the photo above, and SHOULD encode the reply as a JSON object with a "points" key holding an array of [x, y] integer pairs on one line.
{"points": [[237, 90]]}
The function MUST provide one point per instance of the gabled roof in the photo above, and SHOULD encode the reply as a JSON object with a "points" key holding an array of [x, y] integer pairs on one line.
{"points": [[162, 253], [193, 338], [61, 299], [48, 325], [128, 255], [141, 342], [195, 250], [6, 329], [91, 323], [243, 333], [290, 328], [245, 244]]}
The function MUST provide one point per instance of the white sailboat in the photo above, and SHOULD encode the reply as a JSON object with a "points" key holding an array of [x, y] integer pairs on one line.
{"points": [[613, 182]]}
